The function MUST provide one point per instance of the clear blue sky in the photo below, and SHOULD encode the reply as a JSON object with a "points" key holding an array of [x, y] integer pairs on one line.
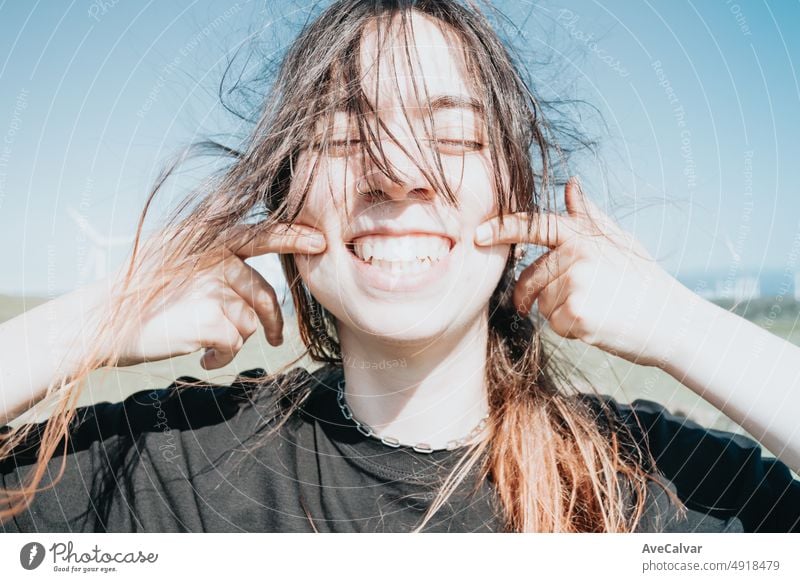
{"points": [[95, 95]]}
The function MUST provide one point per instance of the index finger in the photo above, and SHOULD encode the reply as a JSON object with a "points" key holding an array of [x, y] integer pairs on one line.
{"points": [[252, 240], [549, 230]]}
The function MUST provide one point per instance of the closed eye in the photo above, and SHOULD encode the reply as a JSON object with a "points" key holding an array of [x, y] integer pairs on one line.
{"points": [[338, 144], [476, 145]]}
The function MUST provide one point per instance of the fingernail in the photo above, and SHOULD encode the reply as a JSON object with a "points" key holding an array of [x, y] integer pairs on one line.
{"points": [[317, 242], [483, 234]]}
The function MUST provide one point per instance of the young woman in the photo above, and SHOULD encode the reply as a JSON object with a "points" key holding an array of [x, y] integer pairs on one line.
{"points": [[398, 165]]}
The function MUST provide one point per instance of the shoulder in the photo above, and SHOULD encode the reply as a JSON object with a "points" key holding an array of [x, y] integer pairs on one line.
{"points": [[141, 464], [188, 405], [654, 425], [717, 472]]}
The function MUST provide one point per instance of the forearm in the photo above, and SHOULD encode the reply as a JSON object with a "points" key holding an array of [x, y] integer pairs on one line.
{"points": [[44, 345], [745, 371]]}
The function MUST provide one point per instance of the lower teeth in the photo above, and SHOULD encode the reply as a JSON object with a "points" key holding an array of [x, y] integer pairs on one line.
{"points": [[403, 266], [400, 266]]}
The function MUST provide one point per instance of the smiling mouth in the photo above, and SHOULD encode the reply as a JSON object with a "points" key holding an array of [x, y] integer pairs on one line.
{"points": [[412, 253]]}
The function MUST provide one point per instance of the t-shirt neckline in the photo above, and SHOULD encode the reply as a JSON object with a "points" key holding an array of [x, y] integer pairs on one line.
{"points": [[369, 453]]}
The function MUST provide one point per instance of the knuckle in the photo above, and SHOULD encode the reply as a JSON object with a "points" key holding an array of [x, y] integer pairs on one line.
{"points": [[570, 247], [238, 343], [232, 333], [579, 248], [572, 307], [561, 324], [217, 329], [250, 325], [232, 340]]}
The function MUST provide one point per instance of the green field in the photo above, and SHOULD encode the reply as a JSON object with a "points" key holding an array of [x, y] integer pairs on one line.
{"points": [[609, 374]]}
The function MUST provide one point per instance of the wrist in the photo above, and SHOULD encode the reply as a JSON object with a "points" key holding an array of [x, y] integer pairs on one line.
{"points": [[692, 325], [77, 321], [44, 345], [684, 324]]}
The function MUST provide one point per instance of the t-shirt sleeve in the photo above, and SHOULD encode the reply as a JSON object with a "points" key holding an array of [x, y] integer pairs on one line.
{"points": [[128, 465], [717, 472]]}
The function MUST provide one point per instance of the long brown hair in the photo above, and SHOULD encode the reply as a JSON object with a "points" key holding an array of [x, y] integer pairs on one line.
{"points": [[557, 463]]}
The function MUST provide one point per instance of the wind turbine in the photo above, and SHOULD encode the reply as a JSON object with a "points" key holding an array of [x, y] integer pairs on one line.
{"points": [[100, 245]]}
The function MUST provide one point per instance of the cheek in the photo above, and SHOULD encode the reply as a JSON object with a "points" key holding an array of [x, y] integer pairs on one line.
{"points": [[484, 265], [319, 208], [318, 211], [485, 269], [326, 275], [318, 272], [478, 203], [475, 186]]}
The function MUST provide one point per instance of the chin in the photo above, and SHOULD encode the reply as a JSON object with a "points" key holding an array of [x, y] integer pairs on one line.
{"points": [[402, 322]]}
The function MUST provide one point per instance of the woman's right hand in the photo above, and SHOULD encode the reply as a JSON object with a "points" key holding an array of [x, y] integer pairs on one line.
{"points": [[220, 307]]}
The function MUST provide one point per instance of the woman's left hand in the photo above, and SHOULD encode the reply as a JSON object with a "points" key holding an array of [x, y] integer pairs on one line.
{"points": [[596, 283]]}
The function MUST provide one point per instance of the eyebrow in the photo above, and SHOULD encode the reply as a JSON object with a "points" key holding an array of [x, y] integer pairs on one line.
{"points": [[456, 102]]}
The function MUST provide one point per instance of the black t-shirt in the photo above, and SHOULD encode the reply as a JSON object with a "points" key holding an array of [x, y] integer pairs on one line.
{"points": [[200, 459]]}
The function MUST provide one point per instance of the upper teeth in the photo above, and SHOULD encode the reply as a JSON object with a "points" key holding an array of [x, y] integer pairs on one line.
{"points": [[401, 248]]}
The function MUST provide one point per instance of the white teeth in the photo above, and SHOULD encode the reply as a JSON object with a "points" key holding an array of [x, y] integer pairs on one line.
{"points": [[400, 253], [406, 267], [367, 251]]}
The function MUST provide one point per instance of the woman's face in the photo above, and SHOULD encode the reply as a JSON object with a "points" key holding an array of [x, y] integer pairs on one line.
{"points": [[400, 262]]}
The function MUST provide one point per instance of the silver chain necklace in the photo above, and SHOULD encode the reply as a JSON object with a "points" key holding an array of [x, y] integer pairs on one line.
{"points": [[394, 442]]}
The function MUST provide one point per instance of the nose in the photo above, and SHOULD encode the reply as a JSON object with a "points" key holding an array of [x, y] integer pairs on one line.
{"points": [[410, 180]]}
